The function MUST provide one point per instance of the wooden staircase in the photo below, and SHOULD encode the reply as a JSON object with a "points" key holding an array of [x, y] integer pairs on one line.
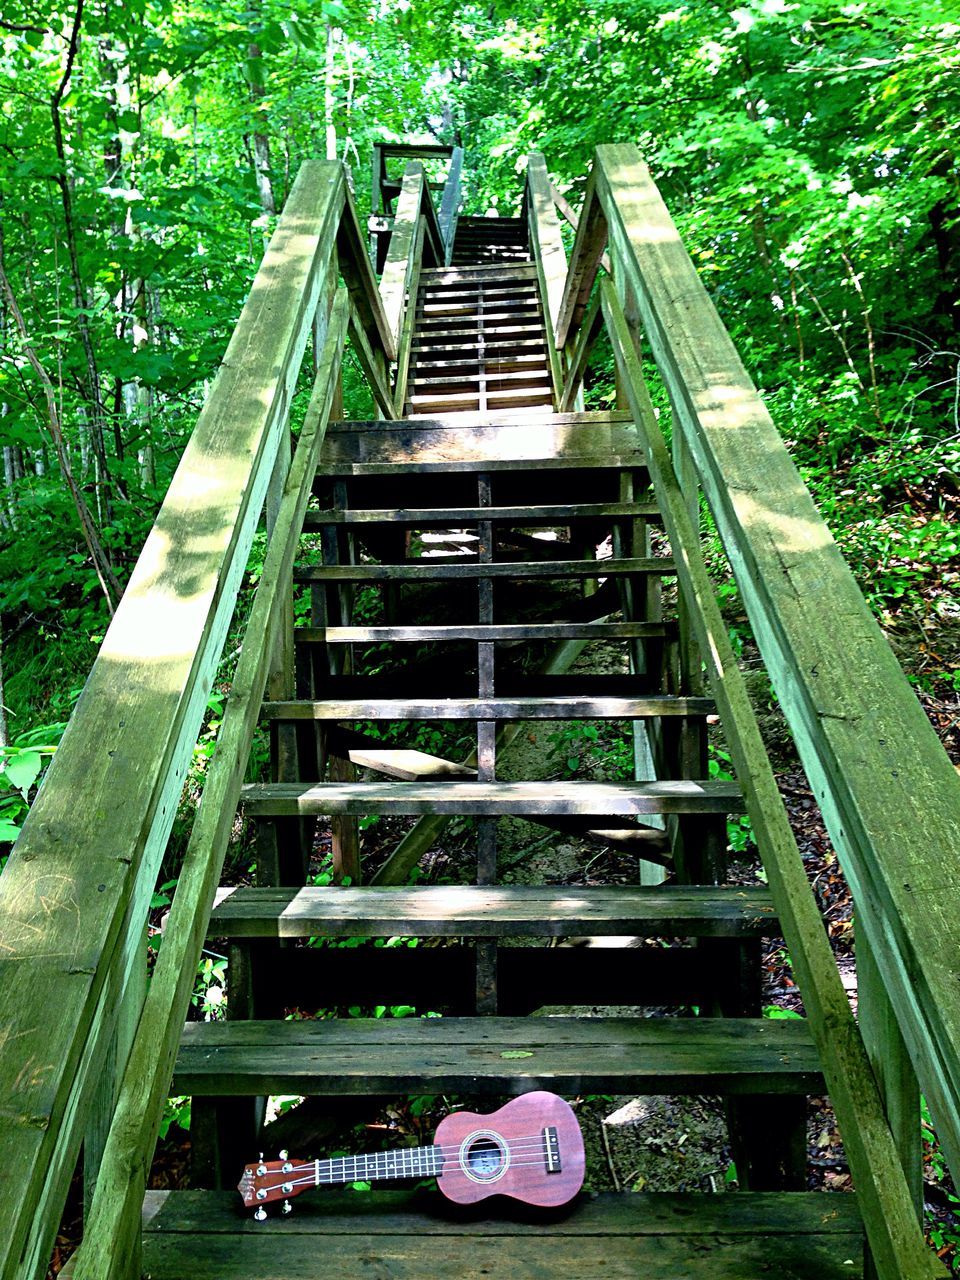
{"points": [[436, 586], [516, 505]]}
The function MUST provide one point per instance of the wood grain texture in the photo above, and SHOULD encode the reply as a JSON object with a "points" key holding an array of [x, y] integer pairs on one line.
{"points": [[427, 570], [403, 1235], [398, 270], [505, 631], [435, 1055], [75, 892], [480, 911], [279, 799], [529, 708], [897, 1243], [889, 795], [111, 1228], [449, 517]]}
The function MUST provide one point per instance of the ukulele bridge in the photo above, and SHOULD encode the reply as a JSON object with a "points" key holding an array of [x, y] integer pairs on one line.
{"points": [[551, 1149]]}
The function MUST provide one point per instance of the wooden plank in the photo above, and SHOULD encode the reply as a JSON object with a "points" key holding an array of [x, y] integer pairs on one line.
{"points": [[885, 1197], [359, 278], [75, 891], [697, 1256], [428, 571], [499, 708], [587, 336], [874, 761], [408, 327], [479, 273], [588, 249], [475, 911], [452, 516], [373, 367], [396, 281], [450, 204], [505, 631], [111, 1229], [550, 258], [278, 799], [434, 1055]]}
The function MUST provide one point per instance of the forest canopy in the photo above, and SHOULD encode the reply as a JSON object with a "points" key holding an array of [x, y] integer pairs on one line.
{"points": [[808, 151]]}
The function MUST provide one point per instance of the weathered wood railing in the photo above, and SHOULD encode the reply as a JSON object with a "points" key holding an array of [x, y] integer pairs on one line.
{"points": [[75, 893], [889, 795]]}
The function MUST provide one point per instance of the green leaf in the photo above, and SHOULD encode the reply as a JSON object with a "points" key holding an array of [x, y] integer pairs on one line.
{"points": [[23, 769], [8, 831], [517, 1053]]}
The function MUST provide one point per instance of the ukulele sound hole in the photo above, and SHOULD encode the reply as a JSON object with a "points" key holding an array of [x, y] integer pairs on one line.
{"points": [[484, 1159]]}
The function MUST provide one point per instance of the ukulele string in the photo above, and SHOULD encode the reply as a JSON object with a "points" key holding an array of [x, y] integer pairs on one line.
{"points": [[535, 1147], [369, 1177], [515, 1144]]}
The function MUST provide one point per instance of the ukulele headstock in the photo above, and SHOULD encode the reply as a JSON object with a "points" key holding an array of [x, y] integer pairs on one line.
{"points": [[268, 1180]]}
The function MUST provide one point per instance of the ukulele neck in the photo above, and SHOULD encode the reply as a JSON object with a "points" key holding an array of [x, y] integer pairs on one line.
{"points": [[376, 1166]]}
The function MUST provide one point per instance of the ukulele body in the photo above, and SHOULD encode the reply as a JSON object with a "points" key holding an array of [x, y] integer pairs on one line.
{"points": [[531, 1149]]}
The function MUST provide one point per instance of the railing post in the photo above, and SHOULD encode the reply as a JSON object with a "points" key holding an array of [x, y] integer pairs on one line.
{"points": [[896, 1077]]}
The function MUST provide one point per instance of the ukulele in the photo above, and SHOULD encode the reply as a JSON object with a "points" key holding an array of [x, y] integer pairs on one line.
{"points": [[531, 1149]]}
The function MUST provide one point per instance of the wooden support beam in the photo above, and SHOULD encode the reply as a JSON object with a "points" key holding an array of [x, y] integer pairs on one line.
{"points": [[114, 1224], [84, 868], [586, 337], [882, 1189], [587, 251], [374, 367], [362, 283]]}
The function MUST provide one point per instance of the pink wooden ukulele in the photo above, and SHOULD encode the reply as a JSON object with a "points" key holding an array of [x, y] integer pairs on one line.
{"points": [[531, 1149]]}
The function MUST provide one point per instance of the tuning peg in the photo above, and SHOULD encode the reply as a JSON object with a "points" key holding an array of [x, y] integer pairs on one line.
{"points": [[287, 1207], [260, 1157], [283, 1154], [260, 1215]]}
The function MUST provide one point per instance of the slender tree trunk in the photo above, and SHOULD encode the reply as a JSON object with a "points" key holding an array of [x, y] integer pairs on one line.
{"points": [[4, 733], [261, 139], [91, 534], [330, 128], [94, 395]]}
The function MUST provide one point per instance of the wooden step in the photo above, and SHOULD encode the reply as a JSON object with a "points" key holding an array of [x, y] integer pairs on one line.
{"points": [[409, 1235], [454, 517], [511, 363], [491, 799], [387, 1056], [527, 708], [491, 632], [424, 382], [474, 911], [655, 566], [480, 273], [531, 346], [442, 294], [450, 317]]}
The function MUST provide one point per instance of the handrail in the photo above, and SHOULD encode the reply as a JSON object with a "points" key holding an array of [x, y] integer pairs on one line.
{"points": [[112, 1234], [884, 1196], [450, 205], [76, 889], [549, 255], [888, 792]]}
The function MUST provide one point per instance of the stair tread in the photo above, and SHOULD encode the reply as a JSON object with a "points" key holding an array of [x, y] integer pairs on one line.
{"points": [[568, 1054], [499, 708], [452, 516], [481, 911], [497, 569], [276, 799], [506, 632], [409, 1234]]}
